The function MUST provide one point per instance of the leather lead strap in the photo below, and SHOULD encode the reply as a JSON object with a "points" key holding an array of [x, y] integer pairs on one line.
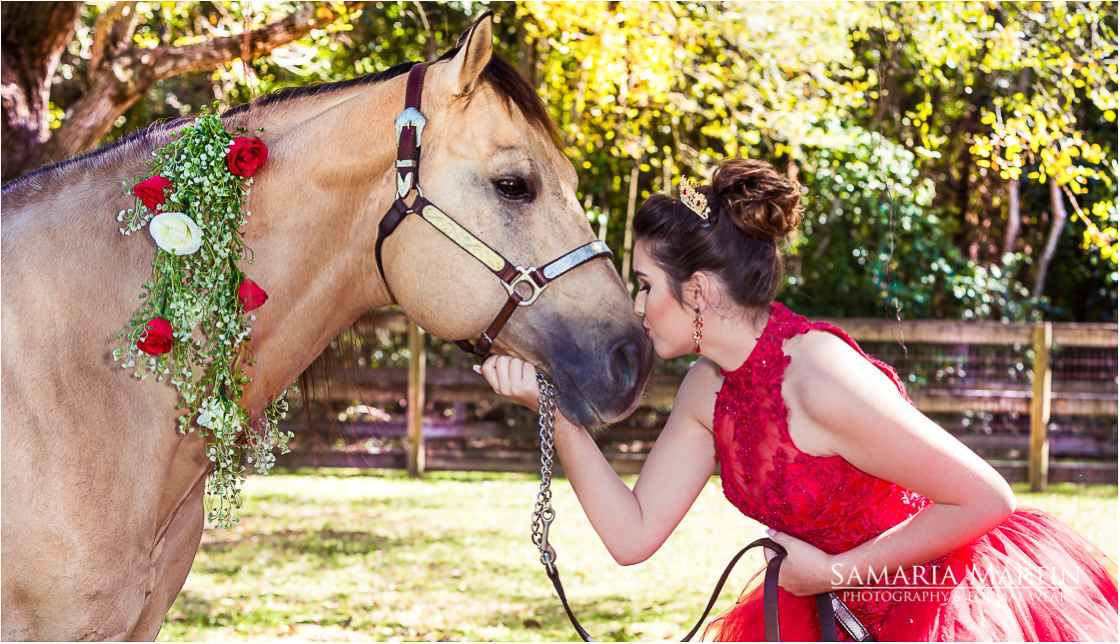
{"points": [[554, 574], [723, 580], [770, 595], [827, 617], [855, 629], [830, 609]]}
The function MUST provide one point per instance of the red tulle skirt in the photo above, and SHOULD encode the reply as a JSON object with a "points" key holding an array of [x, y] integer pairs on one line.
{"points": [[1032, 578]]}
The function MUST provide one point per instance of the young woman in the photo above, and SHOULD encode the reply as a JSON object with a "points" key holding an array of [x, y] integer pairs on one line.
{"points": [[818, 441]]}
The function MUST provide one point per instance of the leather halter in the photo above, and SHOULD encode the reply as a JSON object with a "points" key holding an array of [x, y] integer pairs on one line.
{"points": [[524, 285]]}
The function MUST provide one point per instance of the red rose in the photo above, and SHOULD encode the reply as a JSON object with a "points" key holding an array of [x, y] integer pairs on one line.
{"points": [[157, 337], [246, 155], [255, 434], [151, 193], [251, 295]]}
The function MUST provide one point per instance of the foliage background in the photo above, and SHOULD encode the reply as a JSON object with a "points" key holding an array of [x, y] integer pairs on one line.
{"points": [[959, 160], [931, 138]]}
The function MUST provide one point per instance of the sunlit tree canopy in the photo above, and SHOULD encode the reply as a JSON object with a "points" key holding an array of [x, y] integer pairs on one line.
{"points": [[959, 159]]}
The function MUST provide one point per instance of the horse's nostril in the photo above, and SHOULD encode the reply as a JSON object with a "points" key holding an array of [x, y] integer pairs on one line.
{"points": [[624, 364]]}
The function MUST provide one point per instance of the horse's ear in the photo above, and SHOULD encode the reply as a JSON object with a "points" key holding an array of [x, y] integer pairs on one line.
{"points": [[475, 47]]}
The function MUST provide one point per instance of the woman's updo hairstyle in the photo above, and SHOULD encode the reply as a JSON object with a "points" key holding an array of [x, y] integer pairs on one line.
{"points": [[753, 209]]}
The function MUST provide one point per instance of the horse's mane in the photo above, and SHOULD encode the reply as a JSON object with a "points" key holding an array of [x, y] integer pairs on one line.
{"points": [[498, 72]]}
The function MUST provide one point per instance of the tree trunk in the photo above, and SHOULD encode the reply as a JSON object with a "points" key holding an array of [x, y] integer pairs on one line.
{"points": [[34, 37], [628, 235], [1056, 224], [126, 72], [529, 59], [1011, 233], [1014, 219]]}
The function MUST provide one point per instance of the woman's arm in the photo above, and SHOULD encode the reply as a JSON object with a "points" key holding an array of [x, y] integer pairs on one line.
{"points": [[858, 414], [632, 523]]}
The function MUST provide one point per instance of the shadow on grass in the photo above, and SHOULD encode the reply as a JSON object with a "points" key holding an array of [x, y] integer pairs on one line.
{"points": [[607, 619], [325, 543], [433, 476], [1071, 490]]}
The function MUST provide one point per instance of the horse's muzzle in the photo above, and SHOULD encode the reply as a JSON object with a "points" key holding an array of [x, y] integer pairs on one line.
{"points": [[602, 386]]}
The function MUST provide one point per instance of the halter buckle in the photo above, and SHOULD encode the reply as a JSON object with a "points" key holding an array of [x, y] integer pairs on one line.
{"points": [[524, 275], [406, 183], [410, 116]]}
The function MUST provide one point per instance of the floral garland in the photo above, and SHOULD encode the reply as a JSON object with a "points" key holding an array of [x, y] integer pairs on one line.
{"points": [[194, 316]]}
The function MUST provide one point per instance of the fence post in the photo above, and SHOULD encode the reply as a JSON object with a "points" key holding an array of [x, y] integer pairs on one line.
{"points": [[1040, 407], [416, 369]]}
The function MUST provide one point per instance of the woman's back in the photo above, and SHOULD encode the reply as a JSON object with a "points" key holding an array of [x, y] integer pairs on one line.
{"points": [[973, 593]]}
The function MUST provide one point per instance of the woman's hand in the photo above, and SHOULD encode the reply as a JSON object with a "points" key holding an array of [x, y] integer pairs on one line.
{"points": [[807, 570], [512, 378]]}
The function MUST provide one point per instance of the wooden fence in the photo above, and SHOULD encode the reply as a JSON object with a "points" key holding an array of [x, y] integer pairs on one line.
{"points": [[1033, 393]]}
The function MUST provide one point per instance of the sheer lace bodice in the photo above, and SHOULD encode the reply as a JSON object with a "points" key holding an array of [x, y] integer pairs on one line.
{"points": [[823, 501], [832, 505]]}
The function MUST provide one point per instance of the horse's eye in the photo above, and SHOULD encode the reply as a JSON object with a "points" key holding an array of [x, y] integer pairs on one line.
{"points": [[514, 188]]}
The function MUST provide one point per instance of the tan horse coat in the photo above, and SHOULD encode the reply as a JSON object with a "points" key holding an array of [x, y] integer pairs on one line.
{"points": [[102, 498]]}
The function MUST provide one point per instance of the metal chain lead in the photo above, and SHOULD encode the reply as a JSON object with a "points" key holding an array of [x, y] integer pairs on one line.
{"points": [[543, 514]]}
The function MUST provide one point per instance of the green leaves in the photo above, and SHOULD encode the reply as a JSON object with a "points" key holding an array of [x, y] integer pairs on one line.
{"points": [[197, 293], [980, 93]]}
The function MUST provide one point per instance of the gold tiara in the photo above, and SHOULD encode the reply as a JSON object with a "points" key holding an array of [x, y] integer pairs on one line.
{"points": [[695, 201]]}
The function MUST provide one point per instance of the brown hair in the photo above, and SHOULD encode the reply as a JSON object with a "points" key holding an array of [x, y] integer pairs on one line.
{"points": [[753, 209]]}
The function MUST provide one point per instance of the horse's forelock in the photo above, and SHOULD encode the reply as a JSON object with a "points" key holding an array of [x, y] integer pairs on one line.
{"points": [[512, 85]]}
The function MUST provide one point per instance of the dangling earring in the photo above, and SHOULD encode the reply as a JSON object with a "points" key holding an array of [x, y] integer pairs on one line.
{"points": [[697, 329]]}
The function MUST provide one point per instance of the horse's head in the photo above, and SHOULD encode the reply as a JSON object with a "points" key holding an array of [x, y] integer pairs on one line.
{"points": [[490, 161]]}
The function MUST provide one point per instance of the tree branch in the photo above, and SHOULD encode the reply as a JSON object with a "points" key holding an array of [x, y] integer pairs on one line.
{"points": [[124, 77], [102, 28], [183, 59], [34, 36], [1056, 224]]}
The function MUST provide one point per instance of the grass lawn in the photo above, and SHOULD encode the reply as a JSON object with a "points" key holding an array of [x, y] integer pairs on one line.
{"points": [[373, 555]]}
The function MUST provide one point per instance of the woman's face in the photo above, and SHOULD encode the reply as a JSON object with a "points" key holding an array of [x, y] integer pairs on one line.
{"points": [[668, 323]]}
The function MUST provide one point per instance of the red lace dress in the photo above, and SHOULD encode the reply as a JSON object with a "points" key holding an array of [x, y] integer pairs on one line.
{"points": [[1030, 578]]}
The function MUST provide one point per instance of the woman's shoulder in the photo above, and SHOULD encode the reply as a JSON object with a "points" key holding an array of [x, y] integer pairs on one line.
{"points": [[819, 346], [703, 372], [822, 361], [697, 393]]}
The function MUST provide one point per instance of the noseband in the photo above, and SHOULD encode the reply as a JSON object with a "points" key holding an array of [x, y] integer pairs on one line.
{"points": [[524, 285]]}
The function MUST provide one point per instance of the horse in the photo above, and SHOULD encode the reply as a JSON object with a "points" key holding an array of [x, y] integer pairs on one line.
{"points": [[102, 498]]}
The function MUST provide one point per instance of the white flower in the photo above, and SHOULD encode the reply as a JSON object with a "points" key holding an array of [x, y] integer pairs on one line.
{"points": [[176, 233]]}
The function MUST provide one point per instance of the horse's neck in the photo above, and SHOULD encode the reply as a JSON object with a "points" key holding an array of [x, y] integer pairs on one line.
{"points": [[63, 194], [314, 209], [60, 229]]}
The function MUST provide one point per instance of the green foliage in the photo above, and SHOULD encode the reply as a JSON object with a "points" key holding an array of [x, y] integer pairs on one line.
{"points": [[198, 294], [977, 93], [986, 93], [1050, 60], [873, 245]]}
